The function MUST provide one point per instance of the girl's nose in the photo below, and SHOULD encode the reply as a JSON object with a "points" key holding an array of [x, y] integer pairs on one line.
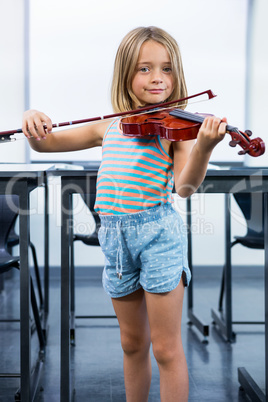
{"points": [[156, 78]]}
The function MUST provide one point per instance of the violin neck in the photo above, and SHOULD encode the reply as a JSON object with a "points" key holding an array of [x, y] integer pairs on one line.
{"points": [[196, 118]]}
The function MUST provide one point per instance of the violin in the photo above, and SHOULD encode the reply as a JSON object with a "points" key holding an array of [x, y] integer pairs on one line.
{"points": [[173, 124], [178, 125]]}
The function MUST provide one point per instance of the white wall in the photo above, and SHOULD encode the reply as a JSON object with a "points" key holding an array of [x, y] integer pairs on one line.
{"points": [[73, 45], [257, 103], [12, 77]]}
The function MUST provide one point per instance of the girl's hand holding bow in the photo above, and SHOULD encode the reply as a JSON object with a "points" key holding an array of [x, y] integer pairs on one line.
{"points": [[33, 123]]}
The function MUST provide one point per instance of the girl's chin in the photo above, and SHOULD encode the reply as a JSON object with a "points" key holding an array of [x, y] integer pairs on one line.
{"points": [[155, 102]]}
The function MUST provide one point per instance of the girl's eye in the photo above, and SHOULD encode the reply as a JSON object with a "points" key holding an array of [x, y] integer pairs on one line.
{"points": [[144, 69], [167, 69]]}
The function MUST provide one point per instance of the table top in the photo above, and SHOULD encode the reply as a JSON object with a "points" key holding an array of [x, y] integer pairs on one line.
{"points": [[224, 179], [218, 179], [213, 170], [23, 169]]}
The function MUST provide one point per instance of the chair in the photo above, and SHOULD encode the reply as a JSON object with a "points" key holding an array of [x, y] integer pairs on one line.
{"points": [[8, 215], [12, 241], [89, 240], [251, 205]]}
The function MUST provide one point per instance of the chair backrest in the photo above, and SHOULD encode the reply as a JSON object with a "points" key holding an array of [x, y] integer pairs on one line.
{"points": [[89, 200], [251, 205], [9, 209]]}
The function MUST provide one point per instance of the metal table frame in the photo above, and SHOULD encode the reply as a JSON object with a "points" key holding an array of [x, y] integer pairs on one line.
{"points": [[20, 180], [244, 180], [72, 182]]}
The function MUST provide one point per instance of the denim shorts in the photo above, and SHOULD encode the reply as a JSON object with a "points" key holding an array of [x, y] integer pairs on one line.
{"points": [[146, 249]]}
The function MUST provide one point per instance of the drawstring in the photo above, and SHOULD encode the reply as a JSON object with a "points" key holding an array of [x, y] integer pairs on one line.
{"points": [[119, 266]]}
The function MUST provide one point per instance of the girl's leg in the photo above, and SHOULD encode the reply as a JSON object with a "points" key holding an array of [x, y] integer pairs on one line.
{"points": [[135, 340], [164, 312]]}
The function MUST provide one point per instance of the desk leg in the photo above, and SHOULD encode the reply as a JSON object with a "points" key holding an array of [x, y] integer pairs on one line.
{"points": [[193, 319], [25, 329], [29, 378], [246, 381], [66, 386], [46, 254], [225, 323], [228, 272], [265, 200]]}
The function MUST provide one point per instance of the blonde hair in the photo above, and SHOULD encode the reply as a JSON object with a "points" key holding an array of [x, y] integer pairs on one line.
{"points": [[122, 96]]}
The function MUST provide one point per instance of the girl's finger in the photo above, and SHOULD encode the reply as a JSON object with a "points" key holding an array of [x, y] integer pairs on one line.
{"points": [[39, 128], [47, 121], [32, 129]]}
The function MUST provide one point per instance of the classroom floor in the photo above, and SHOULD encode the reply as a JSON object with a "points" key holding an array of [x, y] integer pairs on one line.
{"points": [[97, 356]]}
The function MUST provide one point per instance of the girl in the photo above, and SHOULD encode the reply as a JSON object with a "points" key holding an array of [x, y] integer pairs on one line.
{"points": [[141, 234]]}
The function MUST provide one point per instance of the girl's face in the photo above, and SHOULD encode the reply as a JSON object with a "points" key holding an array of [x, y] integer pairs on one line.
{"points": [[153, 80]]}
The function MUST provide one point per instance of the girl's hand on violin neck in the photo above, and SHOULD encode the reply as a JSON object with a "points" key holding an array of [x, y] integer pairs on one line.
{"points": [[211, 132], [33, 123]]}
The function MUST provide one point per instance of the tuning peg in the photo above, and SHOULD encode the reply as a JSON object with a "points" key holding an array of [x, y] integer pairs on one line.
{"points": [[243, 152], [248, 132], [233, 143]]}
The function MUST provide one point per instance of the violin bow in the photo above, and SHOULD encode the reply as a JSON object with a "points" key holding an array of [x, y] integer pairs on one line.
{"points": [[5, 135]]}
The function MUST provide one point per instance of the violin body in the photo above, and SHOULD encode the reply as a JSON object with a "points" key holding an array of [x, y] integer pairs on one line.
{"points": [[160, 123], [178, 125]]}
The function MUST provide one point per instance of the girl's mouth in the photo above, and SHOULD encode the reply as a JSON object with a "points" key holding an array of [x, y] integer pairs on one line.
{"points": [[155, 91]]}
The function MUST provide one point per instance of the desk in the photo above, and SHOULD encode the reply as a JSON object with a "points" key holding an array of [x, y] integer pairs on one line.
{"points": [[84, 182], [229, 181], [21, 179]]}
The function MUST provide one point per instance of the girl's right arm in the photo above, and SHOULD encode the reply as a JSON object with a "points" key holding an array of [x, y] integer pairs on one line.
{"points": [[75, 139], [190, 162]]}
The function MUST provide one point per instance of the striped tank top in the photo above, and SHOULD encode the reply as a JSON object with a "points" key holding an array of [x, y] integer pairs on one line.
{"points": [[135, 173]]}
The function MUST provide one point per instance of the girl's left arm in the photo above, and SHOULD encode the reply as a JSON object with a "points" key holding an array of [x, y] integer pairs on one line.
{"points": [[191, 161]]}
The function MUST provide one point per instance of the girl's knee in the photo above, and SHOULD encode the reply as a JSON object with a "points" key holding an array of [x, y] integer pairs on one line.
{"points": [[132, 344], [166, 352]]}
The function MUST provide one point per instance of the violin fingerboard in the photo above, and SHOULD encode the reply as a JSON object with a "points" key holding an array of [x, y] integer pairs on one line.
{"points": [[182, 114]]}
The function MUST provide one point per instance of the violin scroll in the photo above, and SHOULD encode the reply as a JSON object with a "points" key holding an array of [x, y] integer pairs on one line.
{"points": [[254, 147]]}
